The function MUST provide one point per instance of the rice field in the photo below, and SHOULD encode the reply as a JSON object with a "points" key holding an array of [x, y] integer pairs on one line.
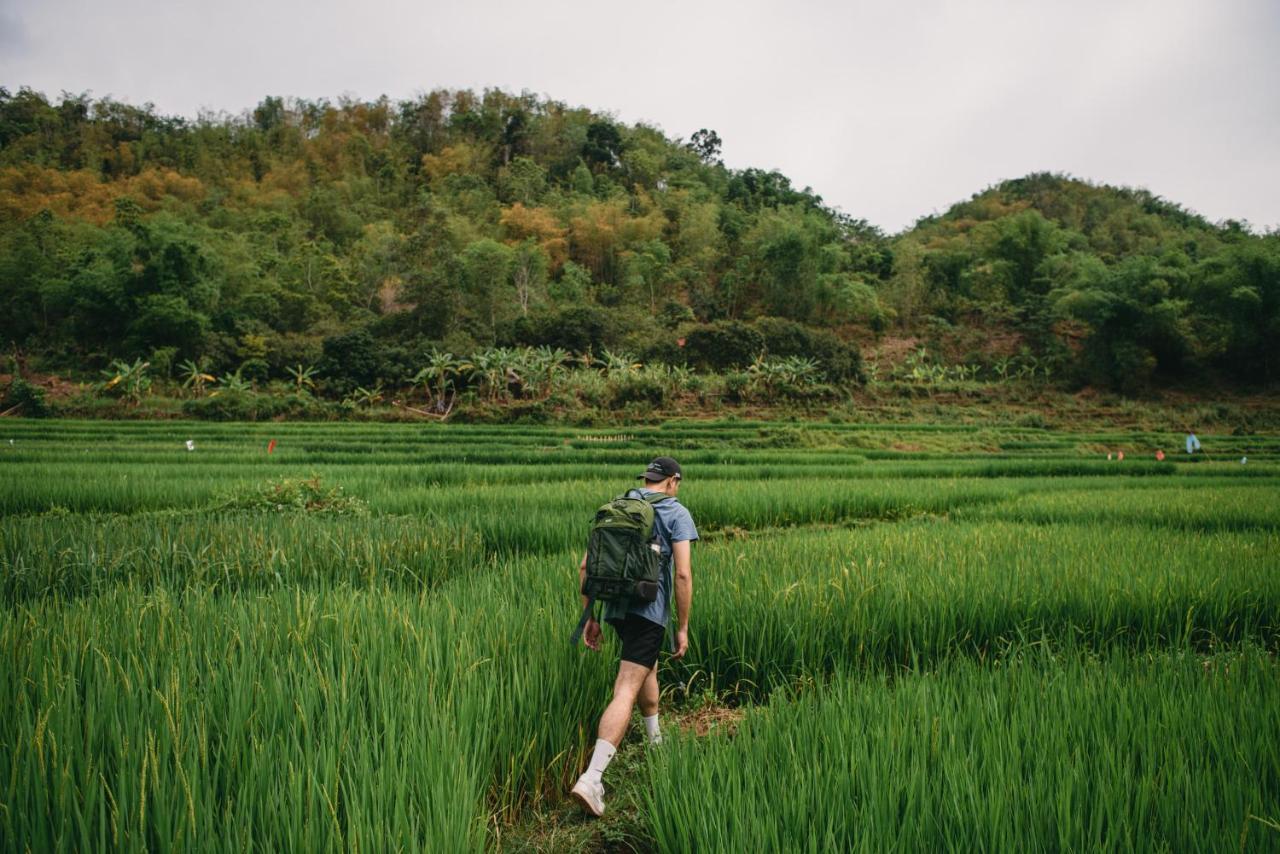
{"points": [[932, 638]]}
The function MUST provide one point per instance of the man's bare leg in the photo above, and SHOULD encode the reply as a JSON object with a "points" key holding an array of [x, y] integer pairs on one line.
{"points": [[649, 693], [613, 726], [631, 683], [649, 697]]}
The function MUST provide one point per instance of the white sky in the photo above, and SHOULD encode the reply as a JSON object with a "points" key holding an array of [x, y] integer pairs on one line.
{"points": [[890, 111]]}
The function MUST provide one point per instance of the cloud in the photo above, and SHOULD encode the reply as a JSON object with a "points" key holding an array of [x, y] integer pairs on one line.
{"points": [[13, 40]]}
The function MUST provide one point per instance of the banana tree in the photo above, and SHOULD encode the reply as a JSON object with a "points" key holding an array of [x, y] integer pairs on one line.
{"points": [[496, 369], [438, 379], [546, 363], [303, 377], [129, 380], [620, 364], [678, 378], [233, 383], [195, 377], [366, 396]]}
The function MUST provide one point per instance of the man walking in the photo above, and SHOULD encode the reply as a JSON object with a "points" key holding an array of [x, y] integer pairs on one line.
{"points": [[640, 627]]}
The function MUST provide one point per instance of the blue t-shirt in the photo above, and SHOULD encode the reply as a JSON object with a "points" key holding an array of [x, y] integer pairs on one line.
{"points": [[672, 524]]}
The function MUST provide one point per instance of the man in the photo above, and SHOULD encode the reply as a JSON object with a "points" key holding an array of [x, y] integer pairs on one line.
{"points": [[640, 627]]}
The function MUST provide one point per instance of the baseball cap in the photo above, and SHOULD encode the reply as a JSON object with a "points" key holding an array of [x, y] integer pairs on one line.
{"points": [[660, 469]]}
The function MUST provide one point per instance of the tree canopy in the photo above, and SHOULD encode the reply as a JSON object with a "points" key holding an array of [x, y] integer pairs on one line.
{"points": [[300, 229]]}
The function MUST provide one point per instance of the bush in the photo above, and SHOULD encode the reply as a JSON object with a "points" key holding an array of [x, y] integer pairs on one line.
{"points": [[666, 352], [736, 386], [255, 370], [840, 361], [249, 406], [587, 386], [350, 360], [647, 387], [305, 495], [576, 329], [722, 345], [225, 406], [28, 396]]}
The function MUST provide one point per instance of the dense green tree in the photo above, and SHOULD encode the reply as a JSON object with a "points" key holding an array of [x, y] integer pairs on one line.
{"points": [[460, 218], [706, 144]]}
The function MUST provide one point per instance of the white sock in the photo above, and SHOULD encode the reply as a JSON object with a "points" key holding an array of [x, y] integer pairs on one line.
{"points": [[651, 728], [599, 759]]}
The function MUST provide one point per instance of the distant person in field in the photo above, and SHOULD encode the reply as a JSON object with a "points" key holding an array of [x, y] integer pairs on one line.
{"points": [[641, 626]]}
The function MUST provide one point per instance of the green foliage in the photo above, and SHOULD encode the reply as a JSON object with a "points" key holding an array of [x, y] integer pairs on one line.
{"points": [[350, 360], [840, 361], [127, 380], [1127, 289], [463, 220], [298, 495], [24, 398], [578, 329], [723, 345], [966, 644]]}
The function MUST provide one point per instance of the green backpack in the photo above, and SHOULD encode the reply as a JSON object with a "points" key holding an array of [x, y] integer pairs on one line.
{"points": [[623, 561]]}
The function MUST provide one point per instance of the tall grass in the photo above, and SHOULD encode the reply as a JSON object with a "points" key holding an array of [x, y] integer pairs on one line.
{"points": [[180, 678], [1049, 751]]}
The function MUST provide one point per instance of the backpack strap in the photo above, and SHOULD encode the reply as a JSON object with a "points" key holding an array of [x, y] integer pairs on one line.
{"points": [[582, 621], [653, 498]]}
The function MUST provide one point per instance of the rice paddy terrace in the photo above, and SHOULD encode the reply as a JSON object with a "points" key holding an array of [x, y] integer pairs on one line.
{"points": [[934, 638]]}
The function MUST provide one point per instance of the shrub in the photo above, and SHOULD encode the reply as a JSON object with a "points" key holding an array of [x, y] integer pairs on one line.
{"points": [[350, 360], [576, 329], [664, 351], [648, 387], [27, 395], [307, 495], [840, 361], [723, 345], [736, 386], [249, 406], [225, 406], [255, 370]]}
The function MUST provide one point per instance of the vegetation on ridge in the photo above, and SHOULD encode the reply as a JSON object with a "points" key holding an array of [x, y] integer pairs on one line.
{"points": [[360, 237]]}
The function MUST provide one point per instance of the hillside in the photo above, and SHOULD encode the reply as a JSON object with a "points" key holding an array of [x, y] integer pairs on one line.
{"points": [[361, 237]]}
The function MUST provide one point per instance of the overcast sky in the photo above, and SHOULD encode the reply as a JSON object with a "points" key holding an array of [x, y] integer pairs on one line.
{"points": [[889, 110]]}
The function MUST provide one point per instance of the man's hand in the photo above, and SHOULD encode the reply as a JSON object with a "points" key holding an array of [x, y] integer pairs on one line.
{"points": [[591, 635], [682, 643]]}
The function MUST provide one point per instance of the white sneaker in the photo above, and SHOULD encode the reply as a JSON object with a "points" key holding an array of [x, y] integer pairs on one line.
{"points": [[590, 793], [655, 741]]}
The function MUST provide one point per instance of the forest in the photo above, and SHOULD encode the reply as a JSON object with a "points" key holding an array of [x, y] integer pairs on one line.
{"points": [[352, 242]]}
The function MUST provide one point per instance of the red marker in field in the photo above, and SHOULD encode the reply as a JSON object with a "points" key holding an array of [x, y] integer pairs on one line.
{"points": [[1160, 456], [271, 446], [1120, 456]]}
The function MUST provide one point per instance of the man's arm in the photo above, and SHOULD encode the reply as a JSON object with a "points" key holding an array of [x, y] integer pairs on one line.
{"points": [[591, 633], [680, 554]]}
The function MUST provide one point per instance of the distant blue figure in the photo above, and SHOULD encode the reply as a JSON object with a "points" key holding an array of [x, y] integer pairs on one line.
{"points": [[1193, 444]]}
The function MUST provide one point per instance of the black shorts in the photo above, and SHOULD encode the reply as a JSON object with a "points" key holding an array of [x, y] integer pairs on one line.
{"points": [[641, 639]]}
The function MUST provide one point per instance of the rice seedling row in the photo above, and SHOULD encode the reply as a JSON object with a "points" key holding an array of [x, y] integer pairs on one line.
{"points": [[939, 632]]}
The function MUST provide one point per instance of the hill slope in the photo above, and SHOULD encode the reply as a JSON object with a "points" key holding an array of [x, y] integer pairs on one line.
{"points": [[464, 221]]}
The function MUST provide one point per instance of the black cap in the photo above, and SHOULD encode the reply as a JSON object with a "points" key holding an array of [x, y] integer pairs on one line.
{"points": [[660, 469]]}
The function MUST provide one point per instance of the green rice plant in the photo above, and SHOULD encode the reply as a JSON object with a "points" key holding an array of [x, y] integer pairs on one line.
{"points": [[773, 610], [307, 495], [1188, 506], [1051, 750], [185, 676], [69, 555], [290, 722]]}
